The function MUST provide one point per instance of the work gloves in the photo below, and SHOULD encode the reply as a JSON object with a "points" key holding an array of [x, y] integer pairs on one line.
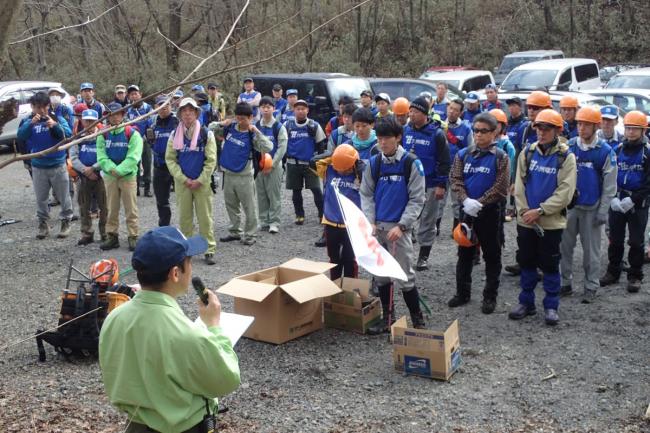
{"points": [[472, 207], [622, 206]]}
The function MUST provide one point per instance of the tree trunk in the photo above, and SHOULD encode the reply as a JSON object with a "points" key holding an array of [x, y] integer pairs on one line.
{"points": [[10, 12]]}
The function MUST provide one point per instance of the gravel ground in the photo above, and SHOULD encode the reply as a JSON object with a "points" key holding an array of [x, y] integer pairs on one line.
{"points": [[333, 381]]}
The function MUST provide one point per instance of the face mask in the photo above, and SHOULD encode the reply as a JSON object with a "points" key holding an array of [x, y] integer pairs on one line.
{"points": [[55, 100]]}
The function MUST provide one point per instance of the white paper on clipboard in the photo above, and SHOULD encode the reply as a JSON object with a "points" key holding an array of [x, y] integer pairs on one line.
{"points": [[233, 325]]}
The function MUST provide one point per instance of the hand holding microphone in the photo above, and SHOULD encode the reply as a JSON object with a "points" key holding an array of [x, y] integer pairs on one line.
{"points": [[209, 305]]}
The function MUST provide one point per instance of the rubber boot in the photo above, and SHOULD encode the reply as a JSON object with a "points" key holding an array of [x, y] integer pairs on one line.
{"points": [[382, 326], [412, 300], [422, 264]]}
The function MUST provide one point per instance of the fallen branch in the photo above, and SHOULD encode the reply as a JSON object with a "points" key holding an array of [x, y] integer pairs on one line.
{"points": [[550, 376]]}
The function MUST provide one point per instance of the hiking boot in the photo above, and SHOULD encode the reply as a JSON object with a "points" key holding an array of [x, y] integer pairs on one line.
{"points": [[103, 237], [147, 191], [513, 269], [300, 220], [457, 301], [321, 241], [381, 326], [86, 239], [588, 297], [230, 238], [132, 241], [43, 230], [248, 241], [273, 229], [65, 229], [520, 311], [633, 285], [566, 290], [422, 264], [608, 279], [488, 305], [111, 242], [137, 191], [418, 320], [550, 317], [264, 228], [209, 259]]}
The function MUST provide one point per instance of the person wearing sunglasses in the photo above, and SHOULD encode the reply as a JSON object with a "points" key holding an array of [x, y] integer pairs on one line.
{"points": [[545, 185], [480, 177]]}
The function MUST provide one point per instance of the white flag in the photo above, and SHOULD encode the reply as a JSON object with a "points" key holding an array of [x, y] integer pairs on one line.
{"points": [[369, 253]]}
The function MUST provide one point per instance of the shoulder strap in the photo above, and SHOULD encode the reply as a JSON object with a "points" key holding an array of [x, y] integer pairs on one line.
{"points": [[410, 159], [276, 129], [375, 168], [312, 127]]}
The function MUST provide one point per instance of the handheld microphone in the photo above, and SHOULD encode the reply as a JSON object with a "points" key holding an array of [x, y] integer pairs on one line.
{"points": [[200, 289]]}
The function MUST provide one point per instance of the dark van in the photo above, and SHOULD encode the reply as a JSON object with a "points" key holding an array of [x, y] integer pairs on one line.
{"points": [[322, 91]]}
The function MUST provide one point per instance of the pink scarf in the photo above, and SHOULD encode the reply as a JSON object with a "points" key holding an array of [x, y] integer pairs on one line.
{"points": [[179, 135]]}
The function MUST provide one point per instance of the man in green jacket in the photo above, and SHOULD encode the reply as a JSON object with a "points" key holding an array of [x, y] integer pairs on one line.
{"points": [[159, 367], [118, 155]]}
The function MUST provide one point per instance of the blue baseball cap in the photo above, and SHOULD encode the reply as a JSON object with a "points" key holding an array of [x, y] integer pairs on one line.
{"points": [[113, 106], [179, 94], [89, 115], [198, 88], [609, 111], [86, 86], [292, 92], [160, 99], [491, 86], [163, 247], [472, 97]]}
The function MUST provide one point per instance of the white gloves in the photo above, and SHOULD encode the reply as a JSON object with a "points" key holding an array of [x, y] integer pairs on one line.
{"points": [[627, 204], [616, 205], [472, 207]]}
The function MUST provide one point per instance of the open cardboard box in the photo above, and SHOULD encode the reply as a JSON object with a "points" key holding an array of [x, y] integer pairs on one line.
{"points": [[346, 310], [421, 352], [285, 300]]}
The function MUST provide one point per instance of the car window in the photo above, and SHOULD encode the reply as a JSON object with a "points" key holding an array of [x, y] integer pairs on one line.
{"points": [[629, 81], [565, 79], [347, 86], [26, 94], [415, 89], [528, 79], [642, 104], [7, 96], [586, 72], [394, 89], [482, 81]]}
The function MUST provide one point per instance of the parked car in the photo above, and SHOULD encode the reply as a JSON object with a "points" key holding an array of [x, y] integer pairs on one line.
{"points": [[466, 81], [409, 88], [609, 71], [626, 99], [632, 79], [571, 74], [21, 91], [512, 60], [322, 91], [439, 69]]}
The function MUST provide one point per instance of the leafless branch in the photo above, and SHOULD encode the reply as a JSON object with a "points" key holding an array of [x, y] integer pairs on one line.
{"points": [[176, 46]]}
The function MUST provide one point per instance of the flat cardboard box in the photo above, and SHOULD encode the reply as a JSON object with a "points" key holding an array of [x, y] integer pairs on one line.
{"points": [[425, 353], [286, 300], [346, 311]]}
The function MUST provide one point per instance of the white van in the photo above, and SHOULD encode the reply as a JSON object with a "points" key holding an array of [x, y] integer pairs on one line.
{"points": [[558, 74], [512, 60], [467, 81]]}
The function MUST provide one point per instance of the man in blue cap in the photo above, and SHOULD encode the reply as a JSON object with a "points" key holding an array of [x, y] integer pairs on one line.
{"points": [[87, 91], [607, 131], [472, 107], [286, 113], [197, 88], [160, 368], [492, 101]]}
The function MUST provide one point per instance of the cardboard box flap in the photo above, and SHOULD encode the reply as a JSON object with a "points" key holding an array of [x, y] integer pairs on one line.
{"points": [[250, 290], [314, 287], [350, 284], [400, 323], [451, 334], [308, 265]]}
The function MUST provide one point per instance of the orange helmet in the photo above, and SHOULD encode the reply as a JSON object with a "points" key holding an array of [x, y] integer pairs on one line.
{"points": [[499, 115], [636, 119], [344, 157], [266, 161], [569, 102], [464, 235], [539, 99], [105, 272], [551, 117], [401, 106], [589, 114]]}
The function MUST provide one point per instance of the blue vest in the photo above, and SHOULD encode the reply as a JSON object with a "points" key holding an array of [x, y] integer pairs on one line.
{"points": [[541, 180], [391, 190], [515, 131], [287, 115], [479, 173], [570, 131], [249, 97], [191, 161], [280, 104], [162, 129], [42, 139], [630, 169], [301, 144], [469, 115], [237, 147], [88, 152], [339, 139], [97, 106], [423, 143], [440, 109], [347, 186], [271, 133], [531, 136], [117, 145], [462, 132], [65, 111], [142, 125], [590, 164]]}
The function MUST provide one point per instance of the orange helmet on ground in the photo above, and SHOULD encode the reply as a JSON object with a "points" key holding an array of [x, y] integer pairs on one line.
{"points": [[344, 157], [551, 117], [401, 106], [589, 115], [569, 102], [499, 115], [105, 272], [464, 235], [266, 161], [539, 99], [636, 119]]}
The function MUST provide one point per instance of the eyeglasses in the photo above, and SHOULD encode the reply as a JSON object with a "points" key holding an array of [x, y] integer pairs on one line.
{"points": [[482, 130]]}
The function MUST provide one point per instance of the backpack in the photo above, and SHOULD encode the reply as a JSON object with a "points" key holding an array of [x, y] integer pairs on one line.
{"points": [[376, 168], [561, 157]]}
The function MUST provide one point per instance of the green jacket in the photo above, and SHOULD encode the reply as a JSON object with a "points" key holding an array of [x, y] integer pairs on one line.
{"points": [[158, 366], [128, 168]]}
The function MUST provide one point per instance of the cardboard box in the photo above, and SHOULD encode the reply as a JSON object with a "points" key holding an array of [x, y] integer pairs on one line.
{"points": [[426, 353], [286, 300], [346, 310]]}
